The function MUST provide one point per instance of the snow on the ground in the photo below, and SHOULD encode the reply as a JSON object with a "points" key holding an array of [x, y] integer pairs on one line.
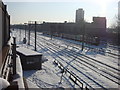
{"points": [[50, 75], [26, 51], [63, 42], [31, 84], [113, 61]]}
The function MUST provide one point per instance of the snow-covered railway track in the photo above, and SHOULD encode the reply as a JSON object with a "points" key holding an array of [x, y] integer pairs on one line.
{"points": [[48, 45], [81, 55], [113, 75], [78, 46], [114, 47], [56, 57], [54, 48], [88, 80]]}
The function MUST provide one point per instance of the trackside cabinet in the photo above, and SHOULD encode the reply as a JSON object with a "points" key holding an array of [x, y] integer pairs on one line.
{"points": [[31, 60]]}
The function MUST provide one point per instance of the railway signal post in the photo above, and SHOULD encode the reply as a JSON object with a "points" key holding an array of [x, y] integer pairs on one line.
{"points": [[35, 36], [29, 33]]}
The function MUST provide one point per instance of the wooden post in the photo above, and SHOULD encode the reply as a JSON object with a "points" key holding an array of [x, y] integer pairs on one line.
{"points": [[35, 36], [14, 55]]}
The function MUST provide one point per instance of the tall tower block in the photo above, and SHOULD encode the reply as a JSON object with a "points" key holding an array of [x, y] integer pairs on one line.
{"points": [[79, 15], [119, 10]]}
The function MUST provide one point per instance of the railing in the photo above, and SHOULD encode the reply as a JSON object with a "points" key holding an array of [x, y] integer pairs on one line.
{"points": [[11, 69], [71, 75], [5, 68]]}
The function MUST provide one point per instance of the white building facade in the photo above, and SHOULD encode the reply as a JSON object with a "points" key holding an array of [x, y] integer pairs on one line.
{"points": [[119, 12], [79, 15]]}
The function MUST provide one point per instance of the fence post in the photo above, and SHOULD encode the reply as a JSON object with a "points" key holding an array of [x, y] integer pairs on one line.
{"points": [[14, 55]]}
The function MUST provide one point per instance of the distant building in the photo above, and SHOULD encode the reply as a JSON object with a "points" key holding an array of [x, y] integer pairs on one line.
{"points": [[99, 22], [97, 27], [119, 13], [79, 15], [119, 10], [58, 27]]}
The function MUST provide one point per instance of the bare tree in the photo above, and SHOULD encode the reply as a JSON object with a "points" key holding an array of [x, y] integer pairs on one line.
{"points": [[116, 29], [115, 24]]}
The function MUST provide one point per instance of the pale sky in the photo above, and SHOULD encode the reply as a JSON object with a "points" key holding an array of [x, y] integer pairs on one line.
{"points": [[22, 11]]}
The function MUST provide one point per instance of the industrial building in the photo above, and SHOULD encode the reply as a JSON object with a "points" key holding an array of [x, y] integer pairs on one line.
{"points": [[71, 30], [96, 28]]}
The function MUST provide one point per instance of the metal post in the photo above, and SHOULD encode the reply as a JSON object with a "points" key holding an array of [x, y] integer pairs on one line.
{"points": [[82, 42], [25, 31], [9, 26], [20, 35], [83, 37], [14, 55], [61, 76], [29, 35], [35, 36]]}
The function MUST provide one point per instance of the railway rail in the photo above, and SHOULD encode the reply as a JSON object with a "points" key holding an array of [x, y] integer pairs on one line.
{"points": [[100, 50], [60, 52], [87, 63]]}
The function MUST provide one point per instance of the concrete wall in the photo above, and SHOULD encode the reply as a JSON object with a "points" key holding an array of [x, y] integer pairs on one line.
{"points": [[0, 33], [4, 25], [4, 28]]}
